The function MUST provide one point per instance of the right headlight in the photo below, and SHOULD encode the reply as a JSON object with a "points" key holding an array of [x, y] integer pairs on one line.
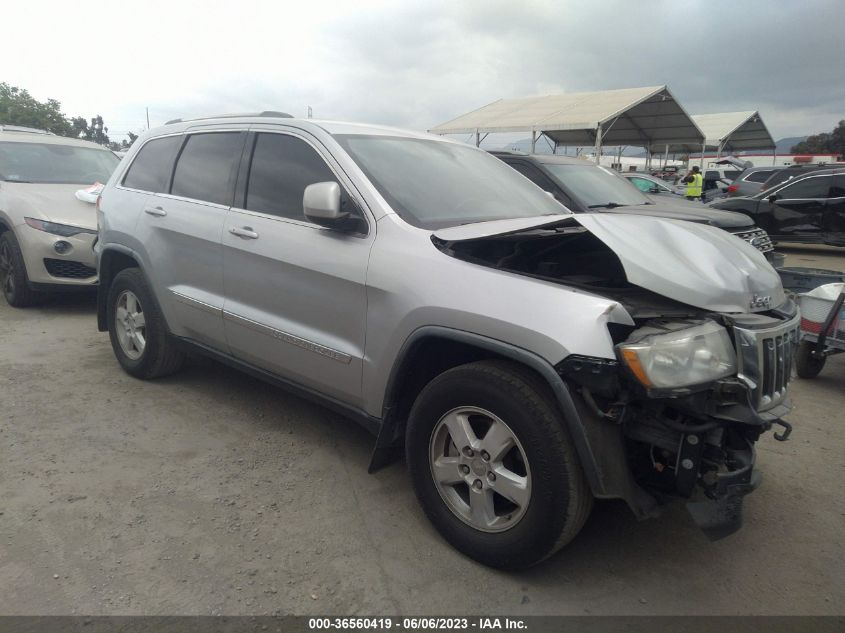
{"points": [[690, 356]]}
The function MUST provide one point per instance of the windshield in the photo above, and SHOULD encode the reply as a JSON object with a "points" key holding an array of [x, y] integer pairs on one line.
{"points": [[55, 164], [435, 184], [596, 186]]}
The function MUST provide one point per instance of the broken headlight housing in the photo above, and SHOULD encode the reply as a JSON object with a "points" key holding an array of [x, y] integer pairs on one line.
{"points": [[681, 358]]}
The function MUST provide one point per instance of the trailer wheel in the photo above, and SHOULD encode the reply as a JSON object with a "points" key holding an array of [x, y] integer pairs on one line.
{"points": [[807, 365]]}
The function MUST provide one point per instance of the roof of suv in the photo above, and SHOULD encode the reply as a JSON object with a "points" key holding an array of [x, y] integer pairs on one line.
{"points": [[15, 134], [332, 127], [794, 172]]}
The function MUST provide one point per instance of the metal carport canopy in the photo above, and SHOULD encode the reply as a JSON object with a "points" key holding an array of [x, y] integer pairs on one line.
{"points": [[728, 132], [646, 117]]}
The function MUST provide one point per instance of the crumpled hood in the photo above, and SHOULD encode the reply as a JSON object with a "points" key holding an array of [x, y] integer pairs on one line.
{"points": [[695, 264], [56, 203]]}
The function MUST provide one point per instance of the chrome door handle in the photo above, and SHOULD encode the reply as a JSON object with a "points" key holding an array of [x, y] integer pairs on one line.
{"points": [[156, 211], [245, 231]]}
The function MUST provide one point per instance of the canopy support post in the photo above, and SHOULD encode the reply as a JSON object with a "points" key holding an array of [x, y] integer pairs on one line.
{"points": [[533, 141], [666, 157], [701, 160], [774, 156], [598, 144], [477, 138]]}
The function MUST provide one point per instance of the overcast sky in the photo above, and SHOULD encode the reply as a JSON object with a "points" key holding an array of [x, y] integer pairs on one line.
{"points": [[419, 63]]}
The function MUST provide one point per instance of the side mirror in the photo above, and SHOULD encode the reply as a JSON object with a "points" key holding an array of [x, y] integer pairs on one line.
{"points": [[654, 190], [772, 198], [321, 204]]}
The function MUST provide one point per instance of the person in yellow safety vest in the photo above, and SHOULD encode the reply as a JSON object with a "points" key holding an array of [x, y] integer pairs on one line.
{"points": [[694, 181]]}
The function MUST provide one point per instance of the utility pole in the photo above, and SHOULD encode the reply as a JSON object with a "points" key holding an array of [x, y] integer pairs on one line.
{"points": [[148, 118], [310, 112]]}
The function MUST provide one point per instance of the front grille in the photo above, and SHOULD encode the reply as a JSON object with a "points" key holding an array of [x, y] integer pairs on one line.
{"points": [[765, 361], [68, 269], [758, 238]]}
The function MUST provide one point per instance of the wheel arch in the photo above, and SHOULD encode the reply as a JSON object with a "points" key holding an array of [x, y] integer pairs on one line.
{"points": [[111, 261], [431, 350]]}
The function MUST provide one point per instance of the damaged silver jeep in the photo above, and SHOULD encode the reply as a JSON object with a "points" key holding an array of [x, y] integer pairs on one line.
{"points": [[527, 360]]}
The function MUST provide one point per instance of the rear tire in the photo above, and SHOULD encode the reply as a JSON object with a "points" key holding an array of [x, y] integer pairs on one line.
{"points": [[137, 330], [807, 365], [537, 499], [13, 277]]}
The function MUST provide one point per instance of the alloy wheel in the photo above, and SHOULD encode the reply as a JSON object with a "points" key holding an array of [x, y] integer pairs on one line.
{"points": [[480, 469], [130, 325]]}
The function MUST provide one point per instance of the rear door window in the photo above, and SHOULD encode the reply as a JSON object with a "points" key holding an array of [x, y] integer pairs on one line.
{"points": [[205, 169], [814, 187], [150, 171]]}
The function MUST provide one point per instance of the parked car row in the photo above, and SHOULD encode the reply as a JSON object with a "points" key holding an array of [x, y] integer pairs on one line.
{"points": [[584, 187], [524, 358], [796, 203]]}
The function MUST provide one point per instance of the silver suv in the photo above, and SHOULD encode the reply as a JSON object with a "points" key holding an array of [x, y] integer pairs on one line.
{"points": [[527, 359]]}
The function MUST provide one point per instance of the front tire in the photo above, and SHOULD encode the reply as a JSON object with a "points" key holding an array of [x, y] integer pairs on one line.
{"points": [[493, 465], [807, 365], [13, 277], [137, 330]]}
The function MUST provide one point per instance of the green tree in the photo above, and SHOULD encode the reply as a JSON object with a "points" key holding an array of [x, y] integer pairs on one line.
{"points": [[824, 143], [18, 107]]}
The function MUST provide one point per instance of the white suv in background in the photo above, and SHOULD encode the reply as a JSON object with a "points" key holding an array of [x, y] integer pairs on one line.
{"points": [[46, 233]]}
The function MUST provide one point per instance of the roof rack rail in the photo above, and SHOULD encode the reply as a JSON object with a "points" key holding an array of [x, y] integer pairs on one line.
{"points": [[20, 128], [265, 113]]}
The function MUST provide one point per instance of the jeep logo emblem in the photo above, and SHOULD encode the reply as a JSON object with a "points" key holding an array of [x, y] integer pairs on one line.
{"points": [[758, 302]]}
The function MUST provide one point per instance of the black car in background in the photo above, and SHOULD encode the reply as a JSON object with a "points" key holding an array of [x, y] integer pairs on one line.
{"points": [[808, 209], [584, 187], [788, 173]]}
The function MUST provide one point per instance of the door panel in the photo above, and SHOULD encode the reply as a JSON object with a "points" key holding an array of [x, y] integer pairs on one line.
{"points": [[183, 235], [187, 260], [799, 209], [296, 301]]}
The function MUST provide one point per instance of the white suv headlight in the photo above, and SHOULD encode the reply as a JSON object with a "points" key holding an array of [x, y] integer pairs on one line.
{"points": [[65, 230], [691, 356]]}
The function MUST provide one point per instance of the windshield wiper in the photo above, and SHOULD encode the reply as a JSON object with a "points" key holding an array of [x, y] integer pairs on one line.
{"points": [[606, 205]]}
